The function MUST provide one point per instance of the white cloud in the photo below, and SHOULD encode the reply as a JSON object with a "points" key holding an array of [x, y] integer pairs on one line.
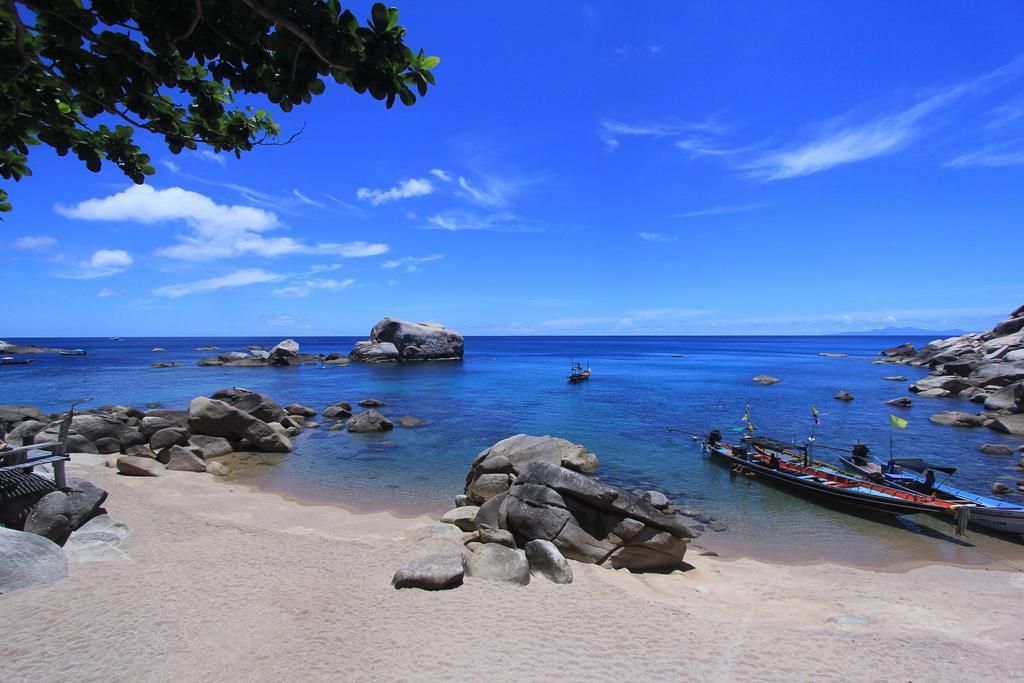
{"points": [[303, 288], [110, 258], [324, 267], [411, 263], [107, 292], [413, 187], [239, 278], [306, 200], [170, 165], [440, 175], [217, 230], [33, 242], [656, 237], [841, 142], [1004, 154]]}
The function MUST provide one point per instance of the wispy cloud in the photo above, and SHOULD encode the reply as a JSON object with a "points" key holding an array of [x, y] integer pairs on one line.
{"points": [[106, 292], [458, 220], [656, 237], [32, 242], [441, 174], [306, 200], [719, 210], [413, 187], [995, 155], [611, 130], [239, 278], [411, 263], [842, 141], [208, 155], [303, 288], [215, 230]]}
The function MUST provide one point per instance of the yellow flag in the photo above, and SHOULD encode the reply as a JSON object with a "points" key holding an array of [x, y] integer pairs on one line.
{"points": [[897, 422]]}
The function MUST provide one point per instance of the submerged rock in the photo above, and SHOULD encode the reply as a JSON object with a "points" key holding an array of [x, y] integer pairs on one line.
{"points": [[766, 379], [901, 402], [996, 449], [844, 396], [369, 421]]}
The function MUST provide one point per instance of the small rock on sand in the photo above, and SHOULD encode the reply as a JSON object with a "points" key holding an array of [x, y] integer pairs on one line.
{"points": [[433, 572]]}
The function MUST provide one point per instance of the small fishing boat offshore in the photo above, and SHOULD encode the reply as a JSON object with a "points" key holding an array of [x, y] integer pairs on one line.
{"points": [[579, 373], [72, 352], [11, 360]]}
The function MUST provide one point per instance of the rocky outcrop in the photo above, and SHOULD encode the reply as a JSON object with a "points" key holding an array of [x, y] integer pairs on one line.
{"points": [[399, 340], [9, 348], [496, 468], [256, 404], [216, 418], [589, 521], [284, 353], [494, 562], [985, 367], [545, 560]]}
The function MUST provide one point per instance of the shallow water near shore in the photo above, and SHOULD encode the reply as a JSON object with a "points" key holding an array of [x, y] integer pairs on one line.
{"points": [[640, 386]]}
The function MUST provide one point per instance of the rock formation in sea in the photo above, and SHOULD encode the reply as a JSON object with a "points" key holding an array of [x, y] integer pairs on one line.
{"points": [[398, 340], [984, 367], [284, 353], [530, 505]]}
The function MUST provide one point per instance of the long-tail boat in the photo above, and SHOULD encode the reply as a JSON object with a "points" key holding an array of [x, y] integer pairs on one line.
{"points": [[829, 484], [990, 513]]}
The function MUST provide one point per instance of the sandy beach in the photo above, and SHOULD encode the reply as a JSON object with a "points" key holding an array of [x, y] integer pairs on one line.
{"points": [[225, 582]]}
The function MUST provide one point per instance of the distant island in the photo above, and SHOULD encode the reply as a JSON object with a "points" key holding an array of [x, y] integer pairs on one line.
{"points": [[902, 331]]}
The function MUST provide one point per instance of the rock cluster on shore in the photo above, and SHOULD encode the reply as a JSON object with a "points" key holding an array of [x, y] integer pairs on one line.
{"points": [[986, 368], [398, 340], [529, 505]]}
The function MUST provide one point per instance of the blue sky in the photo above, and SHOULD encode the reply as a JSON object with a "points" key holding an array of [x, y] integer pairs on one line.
{"points": [[656, 168]]}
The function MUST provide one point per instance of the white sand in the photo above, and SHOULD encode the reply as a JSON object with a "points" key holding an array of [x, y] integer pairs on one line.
{"points": [[230, 584]]}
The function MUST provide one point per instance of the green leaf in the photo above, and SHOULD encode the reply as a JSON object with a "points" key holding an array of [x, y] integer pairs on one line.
{"points": [[429, 62], [380, 16], [64, 107]]}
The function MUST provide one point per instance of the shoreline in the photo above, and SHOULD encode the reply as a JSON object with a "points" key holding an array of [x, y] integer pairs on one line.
{"points": [[289, 581], [710, 541]]}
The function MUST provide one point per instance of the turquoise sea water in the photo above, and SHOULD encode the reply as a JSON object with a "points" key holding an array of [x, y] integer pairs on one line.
{"points": [[640, 386]]}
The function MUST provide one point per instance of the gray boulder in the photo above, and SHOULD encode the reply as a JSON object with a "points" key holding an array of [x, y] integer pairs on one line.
{"points": [[300, 410], [28, 560], [954, 384], [141, 452], [11, 415], [844, 396], [996, 449], [392, 339], [766, 379], [338, 411], [546, 561], [372, 403], [1008, 424], [955, 418], [184, 460], [409, 422], [289, 348], [50, 517], [590, 521], [85, 499], [107, 445], [432, 573], [369, 421], [151, 424], [256, 404], [493, 562], [997, 374], [494, 468], [215, 418], [135, 466], [169, 436], [656, 499], [901, 402], [462, 517], [374, 352], [95, 427], [210, 446], [1010, 397], [24, 432], [901, 350]]}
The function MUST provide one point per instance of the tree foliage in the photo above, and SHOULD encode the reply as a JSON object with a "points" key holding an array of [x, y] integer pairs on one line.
{"points": [[82, 75]]}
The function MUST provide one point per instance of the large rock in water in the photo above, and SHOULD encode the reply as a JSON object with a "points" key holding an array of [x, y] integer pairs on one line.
{"points": [[215, 418], [410, 341], [1008, 424], [256, 404], [1010, 397], [289, 348], [998, 374], [587, 520], [901, 350], [495, 468], [28, 560], [370, 421]]}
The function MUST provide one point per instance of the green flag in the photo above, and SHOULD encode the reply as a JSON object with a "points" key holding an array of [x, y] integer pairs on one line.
{"points": [[897, 422]]}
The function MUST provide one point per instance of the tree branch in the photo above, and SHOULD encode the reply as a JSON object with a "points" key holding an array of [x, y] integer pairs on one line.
{"points": [[195, 22], [294, 30], [19, 43]]}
